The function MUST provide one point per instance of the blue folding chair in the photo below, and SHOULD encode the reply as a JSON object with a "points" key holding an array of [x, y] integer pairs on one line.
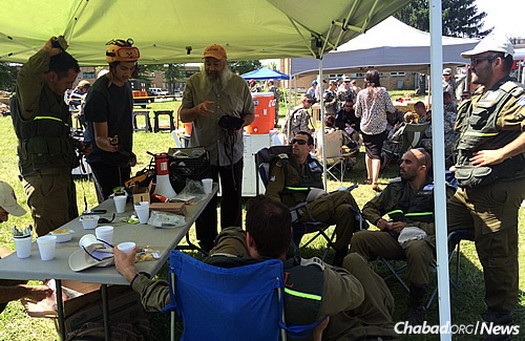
{"points": [[240, 303]]}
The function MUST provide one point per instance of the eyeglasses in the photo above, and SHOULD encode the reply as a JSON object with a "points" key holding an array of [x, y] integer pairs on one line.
{"points": [[478, 60], [299, 142]]}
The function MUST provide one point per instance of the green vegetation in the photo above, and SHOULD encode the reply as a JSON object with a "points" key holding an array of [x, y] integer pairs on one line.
{"points": [[467, 301]]}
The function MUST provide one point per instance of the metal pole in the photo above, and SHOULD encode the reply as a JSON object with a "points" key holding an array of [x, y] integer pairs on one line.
{"points": [[323, 140], [438, 156], [60, 307]]}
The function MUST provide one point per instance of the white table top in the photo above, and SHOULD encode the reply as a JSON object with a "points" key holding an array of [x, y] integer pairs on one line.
{"points": [[163, 240]]}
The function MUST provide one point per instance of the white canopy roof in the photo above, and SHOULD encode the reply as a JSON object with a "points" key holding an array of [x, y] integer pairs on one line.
{"points": [[389, 44]]}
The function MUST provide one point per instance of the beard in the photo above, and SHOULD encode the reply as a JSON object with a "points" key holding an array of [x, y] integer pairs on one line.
{"points": [[219, 80]]}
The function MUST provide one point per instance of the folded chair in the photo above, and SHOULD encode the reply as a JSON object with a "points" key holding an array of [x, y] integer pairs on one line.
{"points": [[337, 154], [240, 303], [407, 137], [397, 266]]}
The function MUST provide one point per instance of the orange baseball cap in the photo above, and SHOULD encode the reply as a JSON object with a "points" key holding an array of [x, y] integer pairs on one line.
{"points": [[215, 51]]}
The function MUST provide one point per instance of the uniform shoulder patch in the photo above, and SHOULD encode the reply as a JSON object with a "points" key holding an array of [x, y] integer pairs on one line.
{"points": [[282, 156], [508, 86], [313, 261]]}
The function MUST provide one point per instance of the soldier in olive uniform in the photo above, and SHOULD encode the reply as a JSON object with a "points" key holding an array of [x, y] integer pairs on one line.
{"points": [[296, 178], [356, 301], [42, 124], [490, 170], [409, 204]]}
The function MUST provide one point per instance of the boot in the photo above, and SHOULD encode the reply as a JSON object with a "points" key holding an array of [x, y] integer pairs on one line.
{"points": [[417, 311], [340, 254], [500, 319]]}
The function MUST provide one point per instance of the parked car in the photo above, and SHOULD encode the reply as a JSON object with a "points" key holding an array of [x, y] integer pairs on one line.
{"points": [[158, 92]]}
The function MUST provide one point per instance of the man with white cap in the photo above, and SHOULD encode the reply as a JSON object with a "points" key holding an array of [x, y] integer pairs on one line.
{"points": [[12, 290], [490, 169], [449, 83], [219, 104]]}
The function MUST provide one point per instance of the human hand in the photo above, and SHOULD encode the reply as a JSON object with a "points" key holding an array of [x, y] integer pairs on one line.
{"points": [[38, 292], [49, 46], [487, 157], [202, 108], [382, 224], [132, 160], [106, 143], [84, 149], [125, 263], [317, 333], [397, 226]]}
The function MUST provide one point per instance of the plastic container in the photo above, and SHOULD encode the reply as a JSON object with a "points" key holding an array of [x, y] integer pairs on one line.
{"points": [[264, 113]]}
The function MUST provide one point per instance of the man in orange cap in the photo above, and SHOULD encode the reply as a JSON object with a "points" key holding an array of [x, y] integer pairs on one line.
{"points": [[219, 104], [108, 109]]}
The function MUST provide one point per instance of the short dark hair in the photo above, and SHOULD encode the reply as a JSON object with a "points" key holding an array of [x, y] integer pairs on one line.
{"points": [[310, 140], [420, 104], [62, 63], [270, 224], [446, 94]]}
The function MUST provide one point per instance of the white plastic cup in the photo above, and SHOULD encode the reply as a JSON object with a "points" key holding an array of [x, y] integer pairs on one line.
{"points": [[47, 246], [126, 247], [23, 246], [142, 210], [105, 233], [120, 203], [89, 222], [207, 184], [87, 240]]}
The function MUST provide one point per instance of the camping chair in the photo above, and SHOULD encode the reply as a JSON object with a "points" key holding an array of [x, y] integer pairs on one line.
{"points": [[337, 156], [263, 158], [238, 303], [407, 137], [397, 266]]}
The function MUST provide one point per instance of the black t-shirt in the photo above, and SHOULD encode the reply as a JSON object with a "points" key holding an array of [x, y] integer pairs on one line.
{"points": [[113, 105]]}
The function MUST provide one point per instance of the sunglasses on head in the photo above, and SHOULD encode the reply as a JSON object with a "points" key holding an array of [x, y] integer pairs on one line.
{"points": [[300, 142]]}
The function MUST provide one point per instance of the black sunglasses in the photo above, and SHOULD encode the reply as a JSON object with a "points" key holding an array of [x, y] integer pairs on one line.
{"points": [[300, 142], [478, 60]]}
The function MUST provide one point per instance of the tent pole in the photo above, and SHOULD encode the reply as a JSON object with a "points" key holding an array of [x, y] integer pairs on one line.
{"points": [[321, 104], [438, 155]]}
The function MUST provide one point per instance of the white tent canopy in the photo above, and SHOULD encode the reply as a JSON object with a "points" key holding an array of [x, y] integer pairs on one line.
{"points": [[388, 44]]}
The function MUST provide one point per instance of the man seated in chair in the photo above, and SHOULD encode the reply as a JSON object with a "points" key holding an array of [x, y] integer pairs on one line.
{"points": [[409, 202], [296, 178], [355, 310]]}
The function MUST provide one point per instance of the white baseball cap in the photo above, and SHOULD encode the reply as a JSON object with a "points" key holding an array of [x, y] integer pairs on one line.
{"points": [[491, 43], [8, 200]]}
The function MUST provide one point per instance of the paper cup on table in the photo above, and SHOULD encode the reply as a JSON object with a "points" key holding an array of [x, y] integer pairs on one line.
{"points": [[126, 247], [47, 246], [89, 222], [120, 203], [142, 210], [23, 246], [105, 233], [207, 184]]}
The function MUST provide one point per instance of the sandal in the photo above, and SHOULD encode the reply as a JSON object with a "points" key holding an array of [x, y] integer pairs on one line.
{"points": [[367, 182], [376, 188]]}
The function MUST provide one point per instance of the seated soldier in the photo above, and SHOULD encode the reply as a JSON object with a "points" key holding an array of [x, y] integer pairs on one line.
{"points": [[357, 301], [11, 290], [296, 178], [409, 202]]}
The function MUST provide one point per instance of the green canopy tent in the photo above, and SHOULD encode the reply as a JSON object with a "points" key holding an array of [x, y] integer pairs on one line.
{"points": [[173, 31]]}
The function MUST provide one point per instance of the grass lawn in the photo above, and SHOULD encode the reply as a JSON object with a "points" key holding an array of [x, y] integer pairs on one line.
{"points": [[467, 301]]}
